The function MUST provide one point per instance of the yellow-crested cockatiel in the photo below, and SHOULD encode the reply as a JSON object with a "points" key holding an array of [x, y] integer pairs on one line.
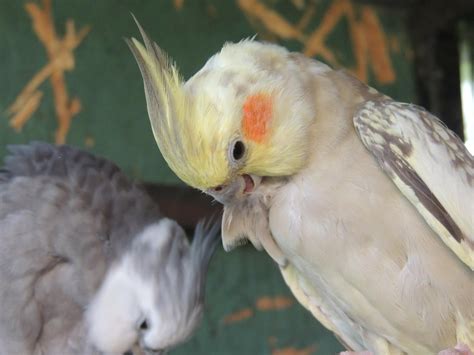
{"points": [[366, 204]]}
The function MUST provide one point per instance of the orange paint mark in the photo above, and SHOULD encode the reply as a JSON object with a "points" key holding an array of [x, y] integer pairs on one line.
{"points": [[293, 351], [257, 112], [371, 47], [211, 11], [299, 4], [308, 15], [178, 4], [394, 44], [270, 19], [24, 112], [61, 59], [370, 43], [238, 316], [377, 44], [89, 142], [275, 303], [315, 44]]}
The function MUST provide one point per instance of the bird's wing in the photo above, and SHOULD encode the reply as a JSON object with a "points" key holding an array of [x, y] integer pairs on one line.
{"points": [[428, 163]]}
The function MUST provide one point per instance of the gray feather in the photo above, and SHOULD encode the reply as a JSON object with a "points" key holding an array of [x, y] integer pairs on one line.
{"points": [[66, 217], [102, 187]]}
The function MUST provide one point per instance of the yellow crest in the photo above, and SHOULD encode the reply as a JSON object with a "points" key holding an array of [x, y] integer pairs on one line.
{"points": [[247, 96], [194, 159]]}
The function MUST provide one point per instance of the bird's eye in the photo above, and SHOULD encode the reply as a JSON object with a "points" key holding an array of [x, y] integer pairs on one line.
{"points": [[238, 150], [144, 325]]}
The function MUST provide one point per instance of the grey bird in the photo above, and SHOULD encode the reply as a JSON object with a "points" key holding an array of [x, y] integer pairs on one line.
{"points": [[88, 265]]}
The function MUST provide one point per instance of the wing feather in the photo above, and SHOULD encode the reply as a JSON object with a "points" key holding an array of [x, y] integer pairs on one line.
{"points": [[428, 163]]}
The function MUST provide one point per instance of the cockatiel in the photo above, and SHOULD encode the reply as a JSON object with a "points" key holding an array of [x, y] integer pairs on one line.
{"points": [[87, 263], [365, 203]]}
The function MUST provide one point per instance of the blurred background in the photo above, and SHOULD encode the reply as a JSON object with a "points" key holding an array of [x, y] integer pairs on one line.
{"points": [[66, 76]]}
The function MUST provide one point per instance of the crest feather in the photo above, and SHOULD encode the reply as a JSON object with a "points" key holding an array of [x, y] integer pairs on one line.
{"points": [[169, 110]]}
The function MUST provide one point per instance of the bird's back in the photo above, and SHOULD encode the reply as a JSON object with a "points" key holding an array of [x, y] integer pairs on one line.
{"points": [[61, 211]]}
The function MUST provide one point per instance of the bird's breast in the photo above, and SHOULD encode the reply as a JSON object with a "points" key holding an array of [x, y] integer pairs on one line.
{"points": [[352, 234]]}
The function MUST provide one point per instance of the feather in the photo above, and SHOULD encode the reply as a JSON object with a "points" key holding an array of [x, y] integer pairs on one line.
{"points": [[85, 253], [429, 164]]}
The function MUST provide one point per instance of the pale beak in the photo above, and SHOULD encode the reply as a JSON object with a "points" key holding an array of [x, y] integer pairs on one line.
{"points": [[243, 185]]}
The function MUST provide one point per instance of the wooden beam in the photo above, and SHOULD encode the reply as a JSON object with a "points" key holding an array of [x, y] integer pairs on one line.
{"points": [[183, 204]]}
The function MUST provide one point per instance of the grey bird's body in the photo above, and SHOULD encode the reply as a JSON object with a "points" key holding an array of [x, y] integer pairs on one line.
{"points": [[366, 204], [86, 259]]}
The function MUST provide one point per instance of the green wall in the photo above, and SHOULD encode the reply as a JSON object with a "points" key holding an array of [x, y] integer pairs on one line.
{"points": [[114, 119]]}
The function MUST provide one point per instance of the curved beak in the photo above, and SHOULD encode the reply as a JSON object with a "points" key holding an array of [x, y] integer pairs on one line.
{"points": [[244, 184]]}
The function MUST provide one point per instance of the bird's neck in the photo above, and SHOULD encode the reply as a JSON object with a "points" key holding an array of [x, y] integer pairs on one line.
{"points": [[336, 103]]}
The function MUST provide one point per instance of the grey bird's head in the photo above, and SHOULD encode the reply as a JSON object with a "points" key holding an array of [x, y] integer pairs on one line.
{"points": [[153, 296]]}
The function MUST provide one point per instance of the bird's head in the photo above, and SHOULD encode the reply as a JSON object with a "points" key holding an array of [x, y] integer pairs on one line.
{"points": [[152, 297], [245, 115]]}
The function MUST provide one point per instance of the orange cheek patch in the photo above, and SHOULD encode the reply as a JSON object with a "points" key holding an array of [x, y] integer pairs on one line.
{"points": [[257, 113]]}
